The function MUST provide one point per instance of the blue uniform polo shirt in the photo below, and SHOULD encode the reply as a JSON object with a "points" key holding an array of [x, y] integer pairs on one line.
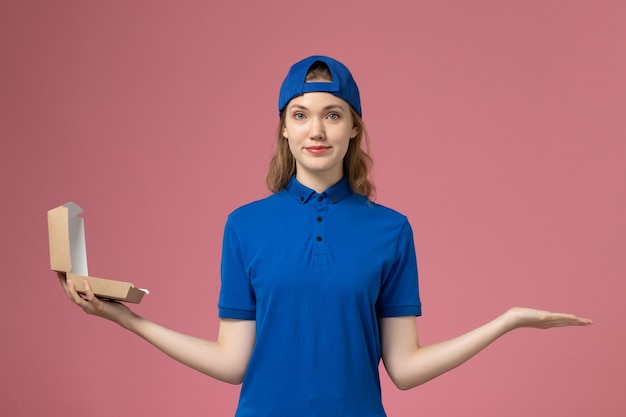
{"points": [[316, 272]]}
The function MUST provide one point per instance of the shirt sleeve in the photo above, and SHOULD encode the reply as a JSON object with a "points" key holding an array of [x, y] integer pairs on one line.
{"points": [[399, 295], [236, 300]]}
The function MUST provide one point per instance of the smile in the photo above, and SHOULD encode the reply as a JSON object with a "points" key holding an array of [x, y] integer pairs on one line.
{"points": [[317, 149]]}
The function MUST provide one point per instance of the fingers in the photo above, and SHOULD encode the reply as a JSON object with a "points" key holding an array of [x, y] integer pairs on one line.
{"points": [[87, 300], [71, 291], [63, 280], [89, 295], [541, 319], [563, 319], [90, 303]]}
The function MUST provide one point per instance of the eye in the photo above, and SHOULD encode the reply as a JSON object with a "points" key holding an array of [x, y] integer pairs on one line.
{"points": [[298, 116], [333, 116]]}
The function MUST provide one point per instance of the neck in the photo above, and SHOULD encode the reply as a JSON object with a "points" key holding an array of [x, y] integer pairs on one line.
{"points": [[319, 182]]}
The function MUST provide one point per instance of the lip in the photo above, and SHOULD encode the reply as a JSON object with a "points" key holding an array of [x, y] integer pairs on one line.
{"points": [[317, 149]]}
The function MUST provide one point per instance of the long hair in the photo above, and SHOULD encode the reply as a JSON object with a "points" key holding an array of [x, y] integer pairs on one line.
{"points": [[357, 163]]}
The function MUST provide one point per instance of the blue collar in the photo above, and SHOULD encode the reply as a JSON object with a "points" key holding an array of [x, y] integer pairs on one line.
{"points": [[303, 193]]}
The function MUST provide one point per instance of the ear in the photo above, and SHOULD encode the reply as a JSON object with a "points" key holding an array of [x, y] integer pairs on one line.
{"points": [[354, 132], [285, 136]]}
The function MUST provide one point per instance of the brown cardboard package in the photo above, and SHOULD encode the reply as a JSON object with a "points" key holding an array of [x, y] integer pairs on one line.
{"points": [[68, 253]]}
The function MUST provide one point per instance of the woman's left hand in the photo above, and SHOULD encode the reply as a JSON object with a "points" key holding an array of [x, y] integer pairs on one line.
{"points": [[541, 319]]}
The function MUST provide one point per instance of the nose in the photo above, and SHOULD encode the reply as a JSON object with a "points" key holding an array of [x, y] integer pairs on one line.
{"points": [[316, 129]]}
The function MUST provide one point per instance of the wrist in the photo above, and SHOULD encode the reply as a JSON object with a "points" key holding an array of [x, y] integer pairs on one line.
{"points": [[510, 320], [129, 321]]}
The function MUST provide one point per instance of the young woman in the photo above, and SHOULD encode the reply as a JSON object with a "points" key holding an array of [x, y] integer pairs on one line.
{"points": [[319, 283]]}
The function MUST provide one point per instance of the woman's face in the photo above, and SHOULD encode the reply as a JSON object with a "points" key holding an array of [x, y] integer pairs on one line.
{"points": [[319, 127]]}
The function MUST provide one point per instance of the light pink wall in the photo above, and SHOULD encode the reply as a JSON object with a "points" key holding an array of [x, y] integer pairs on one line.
{"points": [[497, 127]]}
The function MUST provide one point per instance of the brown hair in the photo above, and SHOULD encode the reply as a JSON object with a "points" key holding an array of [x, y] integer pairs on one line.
{"points": [[357, 163]]}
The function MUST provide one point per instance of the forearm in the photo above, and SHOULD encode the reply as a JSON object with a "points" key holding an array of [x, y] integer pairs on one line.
{"points": [[410, 365], [213, 358], [421, 364], [225, 359]]}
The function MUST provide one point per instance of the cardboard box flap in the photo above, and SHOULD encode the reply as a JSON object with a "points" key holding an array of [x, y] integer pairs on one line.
{"points": [[66, 234], [68, 253]]}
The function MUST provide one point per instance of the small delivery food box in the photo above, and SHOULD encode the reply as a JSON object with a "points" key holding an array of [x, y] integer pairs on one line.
{"points": [[68, 254]]}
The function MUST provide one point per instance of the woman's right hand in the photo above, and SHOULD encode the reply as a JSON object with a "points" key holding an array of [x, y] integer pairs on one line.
{"points": [[90, 304]]}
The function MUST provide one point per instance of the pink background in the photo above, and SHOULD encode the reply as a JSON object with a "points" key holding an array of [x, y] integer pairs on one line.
{"points": [[497, 127]]}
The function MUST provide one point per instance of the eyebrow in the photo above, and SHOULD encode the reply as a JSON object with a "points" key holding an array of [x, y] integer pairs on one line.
{"points": [[326, 108]]}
